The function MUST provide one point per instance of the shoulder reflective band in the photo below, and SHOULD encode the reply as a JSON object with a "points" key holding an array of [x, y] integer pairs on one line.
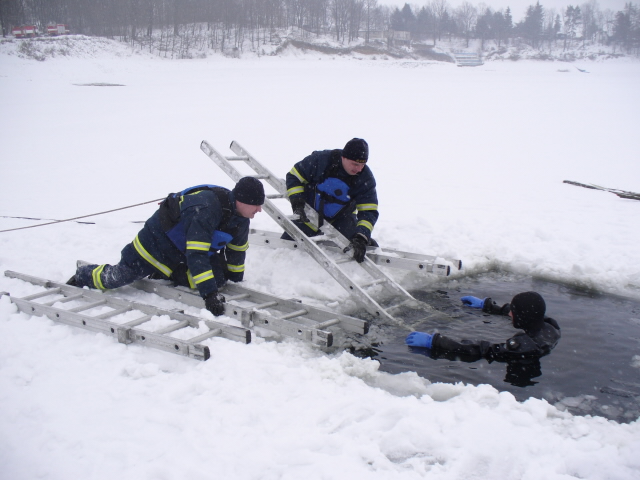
{"points": [[147, 256], [296, 174]]}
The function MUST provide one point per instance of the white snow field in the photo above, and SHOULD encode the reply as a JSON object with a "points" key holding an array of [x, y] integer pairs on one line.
{"points": [[469, 163]]}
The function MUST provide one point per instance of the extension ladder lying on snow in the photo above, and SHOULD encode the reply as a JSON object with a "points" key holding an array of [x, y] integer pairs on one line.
{"points": [[386, 257], [251, 308], [312, 244], [82, 301]]}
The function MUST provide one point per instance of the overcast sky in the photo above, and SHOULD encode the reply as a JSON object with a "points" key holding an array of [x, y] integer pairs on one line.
{"points": [[518, 7]]}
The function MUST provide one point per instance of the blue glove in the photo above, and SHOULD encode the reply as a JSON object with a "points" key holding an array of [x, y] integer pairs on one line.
{"points": [[419, 339], [473, 302]]}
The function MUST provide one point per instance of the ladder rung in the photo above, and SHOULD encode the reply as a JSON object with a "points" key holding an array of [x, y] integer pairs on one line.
{"points": [[236, 159], [211, 333], [260, 177], [320, 238], [276, 195], [377, 281], [265, 305], [113, 313], [237, 297], [326, 324], [64, 300], [46, 293], [138, 321], [172, 328], [344, 260], [297, 313], [88, 306]]}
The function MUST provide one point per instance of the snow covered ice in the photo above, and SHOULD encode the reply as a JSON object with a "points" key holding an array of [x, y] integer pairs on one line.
{"points": [[469, 164]]}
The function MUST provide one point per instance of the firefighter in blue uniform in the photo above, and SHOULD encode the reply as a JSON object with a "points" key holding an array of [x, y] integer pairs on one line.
{"points": [[538, 337], [198, 237], [336, 183]]}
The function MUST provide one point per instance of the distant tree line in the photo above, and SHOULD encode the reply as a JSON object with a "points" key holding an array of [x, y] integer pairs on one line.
{"points": [[225, 23]]}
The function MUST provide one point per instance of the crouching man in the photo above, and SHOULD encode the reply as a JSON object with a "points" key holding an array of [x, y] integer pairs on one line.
{"points": [[198, 237]]}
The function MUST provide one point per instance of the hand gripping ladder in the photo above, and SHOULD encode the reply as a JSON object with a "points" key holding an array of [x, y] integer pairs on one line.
{"points": [[81, 301], [310, 244]]}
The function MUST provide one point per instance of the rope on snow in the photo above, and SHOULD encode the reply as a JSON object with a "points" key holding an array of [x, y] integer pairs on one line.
{"points": [[77, 218]]}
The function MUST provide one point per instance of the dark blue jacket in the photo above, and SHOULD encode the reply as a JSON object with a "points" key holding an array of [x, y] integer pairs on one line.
{"points": [[330, 190], [191, 227]]}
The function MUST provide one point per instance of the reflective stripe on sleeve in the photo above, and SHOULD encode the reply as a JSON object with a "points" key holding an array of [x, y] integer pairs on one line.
{"points": [[147, 256], [365, 224], [238, 248], [203, 277], [235, 268], [295, 190], [367, 206], [202, 246]]}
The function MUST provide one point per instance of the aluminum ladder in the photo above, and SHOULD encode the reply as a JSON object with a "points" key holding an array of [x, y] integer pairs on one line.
{"points": [[311, 244], [385, 257], [257, 309], [81, 302], [253, 308]]}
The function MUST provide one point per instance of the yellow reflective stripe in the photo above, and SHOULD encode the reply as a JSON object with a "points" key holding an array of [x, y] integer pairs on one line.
{"points": [[238, 248], [96, 277], [296, 174], [203, 277], [147, 256], [192, 284], [235, 268], [367, 206], [311, 226], [204, 246], [294, 190], [364, 223]]}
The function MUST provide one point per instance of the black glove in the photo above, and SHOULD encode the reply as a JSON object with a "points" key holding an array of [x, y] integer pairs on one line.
{"points": [[359, 245], [297, 205], [214, 302]]}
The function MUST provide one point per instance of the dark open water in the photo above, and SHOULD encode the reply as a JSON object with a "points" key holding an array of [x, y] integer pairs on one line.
{"points": [[594, 369]]}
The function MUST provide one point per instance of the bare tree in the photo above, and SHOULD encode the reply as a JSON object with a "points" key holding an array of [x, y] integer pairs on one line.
{"points": [[466, 14]]}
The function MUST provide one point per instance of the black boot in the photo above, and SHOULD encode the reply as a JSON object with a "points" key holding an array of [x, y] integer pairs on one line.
{"points": [[72, 281]]}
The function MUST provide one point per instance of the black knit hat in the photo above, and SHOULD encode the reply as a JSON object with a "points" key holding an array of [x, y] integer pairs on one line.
{"points": [[249, 190], [357, 150], [528, 310]]}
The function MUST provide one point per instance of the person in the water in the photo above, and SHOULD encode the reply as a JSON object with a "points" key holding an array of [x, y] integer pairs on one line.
{"points": [[538, 337]]}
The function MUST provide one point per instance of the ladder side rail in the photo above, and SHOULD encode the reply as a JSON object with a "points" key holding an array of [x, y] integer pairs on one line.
{"points": [[264, 319], [316, 314], [313, 335], [271, 179], [123, 334]]}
